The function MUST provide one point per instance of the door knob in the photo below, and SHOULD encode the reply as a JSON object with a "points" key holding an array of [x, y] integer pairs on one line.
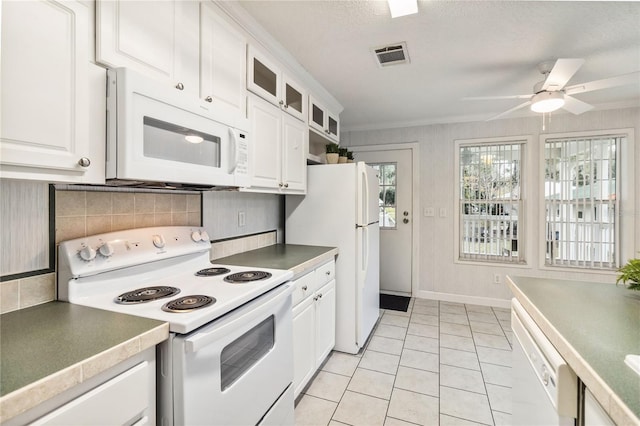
{"points": [[405, 220]]}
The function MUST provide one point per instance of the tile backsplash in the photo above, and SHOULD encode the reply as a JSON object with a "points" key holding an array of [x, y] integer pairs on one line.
{"points": [[82, 213], [238, 245], [25, 292]]}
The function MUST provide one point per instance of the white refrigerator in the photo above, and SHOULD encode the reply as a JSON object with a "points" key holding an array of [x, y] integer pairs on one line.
{"points": [[341, 210]]}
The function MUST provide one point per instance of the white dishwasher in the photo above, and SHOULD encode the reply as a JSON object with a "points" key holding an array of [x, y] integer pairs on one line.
{"points": [[545, 389]]}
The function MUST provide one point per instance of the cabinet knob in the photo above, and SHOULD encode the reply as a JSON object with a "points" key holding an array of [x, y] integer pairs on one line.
{"points": [[286, 106], [326, 131], [180, 86], [208, 99], [281, 102], [328, 272], [319, 295], [280, 185], [84, 162], [405, 220], [286, 185], [304, 288]]}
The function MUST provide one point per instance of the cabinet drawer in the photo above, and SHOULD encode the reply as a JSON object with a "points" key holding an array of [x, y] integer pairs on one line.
{"points": [[303, 287], [325, 273]]}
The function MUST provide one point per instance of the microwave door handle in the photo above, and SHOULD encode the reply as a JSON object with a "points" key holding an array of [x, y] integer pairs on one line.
{"points": [[234, 149]]}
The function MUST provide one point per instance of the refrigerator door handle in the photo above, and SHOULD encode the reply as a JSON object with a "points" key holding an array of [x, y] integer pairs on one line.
{"points": [[365, 254], [364, 199]]}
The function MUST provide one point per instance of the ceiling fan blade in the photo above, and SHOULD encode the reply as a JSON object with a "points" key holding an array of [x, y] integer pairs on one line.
{"points": [[489, 98], [561, 73], [509, 111], [605, 83], [576, 106]]}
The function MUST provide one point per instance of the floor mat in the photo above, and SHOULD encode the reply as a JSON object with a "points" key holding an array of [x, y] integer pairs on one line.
{"points": [[394, 303]]}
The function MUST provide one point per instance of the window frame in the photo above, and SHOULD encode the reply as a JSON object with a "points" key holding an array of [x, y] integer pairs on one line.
{"points": [[627, 181], [524, 244]]}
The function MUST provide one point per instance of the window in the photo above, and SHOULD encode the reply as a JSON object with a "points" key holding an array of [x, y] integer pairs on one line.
{"points": [[581, 201], [490, 202], [387, 201]]}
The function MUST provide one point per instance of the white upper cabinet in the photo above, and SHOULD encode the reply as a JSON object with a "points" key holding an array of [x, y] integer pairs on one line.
{"points": [[52, 98], [158, 39], [267, 80], [323, 121], [222, 64], [278, 150]]}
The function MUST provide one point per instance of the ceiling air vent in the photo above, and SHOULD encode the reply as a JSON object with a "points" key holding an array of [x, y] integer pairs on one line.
{"points": [[394, 54]]}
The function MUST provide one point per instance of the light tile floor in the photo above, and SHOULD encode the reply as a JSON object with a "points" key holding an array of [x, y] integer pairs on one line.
{"points": [[438, 363]]}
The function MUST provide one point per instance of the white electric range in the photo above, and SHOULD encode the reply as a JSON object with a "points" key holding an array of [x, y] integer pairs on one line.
{"points": [[228, 359]]}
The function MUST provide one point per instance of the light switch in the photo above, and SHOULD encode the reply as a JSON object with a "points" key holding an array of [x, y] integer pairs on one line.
{"points": [[429, 212], [241, 219], [443, 212]]}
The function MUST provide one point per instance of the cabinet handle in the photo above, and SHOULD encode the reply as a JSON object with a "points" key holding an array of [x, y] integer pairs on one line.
{"points": [[286, 185], [84, 162], [304, 288], [319, 295], [286, 106], [326, 131], [281, 103], [208, 99], [180, 86], [280, 185], [328, 272]]}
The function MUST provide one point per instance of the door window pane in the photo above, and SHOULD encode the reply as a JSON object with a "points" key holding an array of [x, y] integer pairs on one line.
{"points": [[387, 198]]}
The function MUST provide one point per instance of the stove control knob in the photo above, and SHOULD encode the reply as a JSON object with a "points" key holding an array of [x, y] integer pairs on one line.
{"points": [[87, 253], [158, 241], [196, 236], [106, 250], [204, 236]]}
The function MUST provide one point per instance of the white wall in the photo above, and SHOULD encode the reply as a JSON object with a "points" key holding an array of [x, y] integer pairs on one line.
{"points": [[438, 270]]}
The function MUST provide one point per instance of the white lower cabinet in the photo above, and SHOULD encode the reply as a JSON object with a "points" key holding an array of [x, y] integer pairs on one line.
{"points": [[594, 414], [314, 318]]}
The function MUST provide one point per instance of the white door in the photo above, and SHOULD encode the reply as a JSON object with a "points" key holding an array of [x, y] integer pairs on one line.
{"points": [[294, 154], [396, 207]]}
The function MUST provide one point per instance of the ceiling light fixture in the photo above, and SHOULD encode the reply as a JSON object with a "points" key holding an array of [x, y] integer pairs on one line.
{"points": [[402, 7], [547, 101]]}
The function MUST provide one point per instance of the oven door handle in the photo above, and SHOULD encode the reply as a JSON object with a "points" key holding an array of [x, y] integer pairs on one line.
{"points": [[259, 309]]}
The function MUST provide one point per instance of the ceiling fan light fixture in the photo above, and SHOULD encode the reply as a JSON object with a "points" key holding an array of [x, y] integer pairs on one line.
{"points": [[547, 101], [402, 7]]}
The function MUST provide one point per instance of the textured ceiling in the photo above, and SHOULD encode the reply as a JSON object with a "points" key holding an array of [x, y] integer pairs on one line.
{"points": [[457, 49]]}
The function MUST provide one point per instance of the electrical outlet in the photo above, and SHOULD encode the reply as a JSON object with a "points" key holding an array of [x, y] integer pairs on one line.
{"points": [[497, 279], [241, 219]]}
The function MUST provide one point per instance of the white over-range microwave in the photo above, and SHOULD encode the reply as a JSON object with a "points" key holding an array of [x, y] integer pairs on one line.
{"points": [[158, 136]]}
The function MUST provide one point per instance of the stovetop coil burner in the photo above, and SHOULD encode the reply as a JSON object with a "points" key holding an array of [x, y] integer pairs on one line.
{"points": [[188, 303], [146, 294], [247, 276], [212, 272]]}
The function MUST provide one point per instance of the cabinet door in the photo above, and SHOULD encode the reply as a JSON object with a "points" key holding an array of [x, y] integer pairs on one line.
{"points": [[333, 127], [266, 132], [294, 98], [317, 116], [325, 321], [158, 39], [263, 76], [294, 154], [45, 103], [222, 64], [304, 359]]}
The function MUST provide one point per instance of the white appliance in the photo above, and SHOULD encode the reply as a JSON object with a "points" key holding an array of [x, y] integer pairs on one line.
{"points": [[228, 360], [159, 136], [545, 388], [341, 210]]}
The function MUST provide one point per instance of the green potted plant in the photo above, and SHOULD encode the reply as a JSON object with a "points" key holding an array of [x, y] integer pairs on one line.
{"points": [[333, 153], [629, 274], [349, 157], [342, 155]]}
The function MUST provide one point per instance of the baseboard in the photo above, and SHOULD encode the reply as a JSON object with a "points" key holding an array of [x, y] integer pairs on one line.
{"points": [[461, 298]]}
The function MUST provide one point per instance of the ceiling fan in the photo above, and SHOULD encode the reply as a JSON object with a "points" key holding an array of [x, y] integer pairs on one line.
{"points": [[552, 93]]}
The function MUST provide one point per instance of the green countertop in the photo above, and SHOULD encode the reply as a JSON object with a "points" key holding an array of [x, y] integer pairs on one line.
{"points": [[600, 322], [292, 257], [40, 341]]}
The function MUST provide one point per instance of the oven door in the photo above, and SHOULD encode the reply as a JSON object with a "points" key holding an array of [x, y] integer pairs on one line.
{"points": [[231, 371]]}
